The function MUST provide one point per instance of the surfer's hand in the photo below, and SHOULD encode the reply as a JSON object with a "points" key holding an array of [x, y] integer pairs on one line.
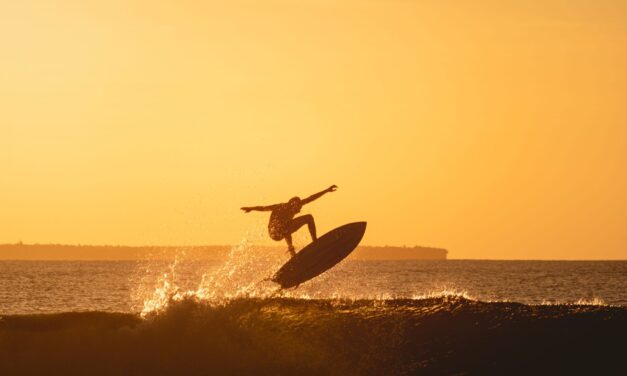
{"points": [[247, 210], [332, 188]]}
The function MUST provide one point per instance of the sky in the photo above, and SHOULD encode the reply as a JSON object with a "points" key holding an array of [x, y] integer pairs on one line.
{"points": [[495, 129]]}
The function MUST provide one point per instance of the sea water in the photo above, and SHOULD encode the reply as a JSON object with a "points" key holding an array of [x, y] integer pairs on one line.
{"points": [[131, 286], [181, 316]]}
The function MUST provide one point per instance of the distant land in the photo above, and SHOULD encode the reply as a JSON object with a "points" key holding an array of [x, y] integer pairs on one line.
{"points": [[212, 252]]}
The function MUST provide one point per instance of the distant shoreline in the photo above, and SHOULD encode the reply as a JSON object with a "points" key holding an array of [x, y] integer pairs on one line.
{"points": [[211, 252]]}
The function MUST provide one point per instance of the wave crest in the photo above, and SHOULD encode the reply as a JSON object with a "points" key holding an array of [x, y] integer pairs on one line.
{"points": [[284, 336]]}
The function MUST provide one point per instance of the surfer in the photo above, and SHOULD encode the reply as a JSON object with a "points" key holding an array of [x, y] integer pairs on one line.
{"points": [[282, 222]]}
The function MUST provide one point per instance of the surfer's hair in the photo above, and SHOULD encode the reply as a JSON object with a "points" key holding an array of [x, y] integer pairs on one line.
{"points": [[294, 201]]}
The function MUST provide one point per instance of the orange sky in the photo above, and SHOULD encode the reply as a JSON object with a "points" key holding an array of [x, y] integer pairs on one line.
{"points": [[496, 129]]}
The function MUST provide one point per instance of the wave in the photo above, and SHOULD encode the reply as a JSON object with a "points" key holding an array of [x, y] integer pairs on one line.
{"points": [[285, 336]]}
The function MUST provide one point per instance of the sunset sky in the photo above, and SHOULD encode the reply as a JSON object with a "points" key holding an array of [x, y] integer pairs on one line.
{"points": [[495, 129]]}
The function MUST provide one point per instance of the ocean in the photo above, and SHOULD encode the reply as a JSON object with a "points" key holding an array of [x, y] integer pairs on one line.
{"points": [[28, 287], [199, 317]]}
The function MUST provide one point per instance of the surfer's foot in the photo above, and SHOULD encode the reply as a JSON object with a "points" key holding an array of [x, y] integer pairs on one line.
{"points": [[290, 249]]}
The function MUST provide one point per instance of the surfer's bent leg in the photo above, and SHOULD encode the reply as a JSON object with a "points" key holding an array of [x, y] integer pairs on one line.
{"points": [[290, 246], [298, 222]]}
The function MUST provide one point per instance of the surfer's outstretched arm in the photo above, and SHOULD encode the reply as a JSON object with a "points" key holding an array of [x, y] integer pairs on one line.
{"points": [[319, 194], [247, 209]]}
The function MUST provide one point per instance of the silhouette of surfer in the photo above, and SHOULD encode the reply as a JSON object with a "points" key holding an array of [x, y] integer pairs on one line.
{"points": [[282, 222]]}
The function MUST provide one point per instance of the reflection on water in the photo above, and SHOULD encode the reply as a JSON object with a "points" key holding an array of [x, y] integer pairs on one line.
{"points": [[133, 286]]}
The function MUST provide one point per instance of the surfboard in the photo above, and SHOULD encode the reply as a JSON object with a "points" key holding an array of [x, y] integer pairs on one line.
{"points": [[320, 255]]}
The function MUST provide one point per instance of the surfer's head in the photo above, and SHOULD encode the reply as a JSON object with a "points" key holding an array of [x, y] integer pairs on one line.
{"points": [[295, 203]]}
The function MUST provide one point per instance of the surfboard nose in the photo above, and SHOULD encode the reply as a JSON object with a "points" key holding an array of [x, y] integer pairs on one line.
{"points": [[359, 225], [351, 232], [356, 228]]}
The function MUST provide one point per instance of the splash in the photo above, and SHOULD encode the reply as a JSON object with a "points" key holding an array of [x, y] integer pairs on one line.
{"points": [[591, 302], [578, 302], [165, 290], [445, 293], [245, 274]]}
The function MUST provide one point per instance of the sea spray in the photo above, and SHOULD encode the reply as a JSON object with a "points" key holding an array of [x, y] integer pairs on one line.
{"points": [[245, 273]]}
